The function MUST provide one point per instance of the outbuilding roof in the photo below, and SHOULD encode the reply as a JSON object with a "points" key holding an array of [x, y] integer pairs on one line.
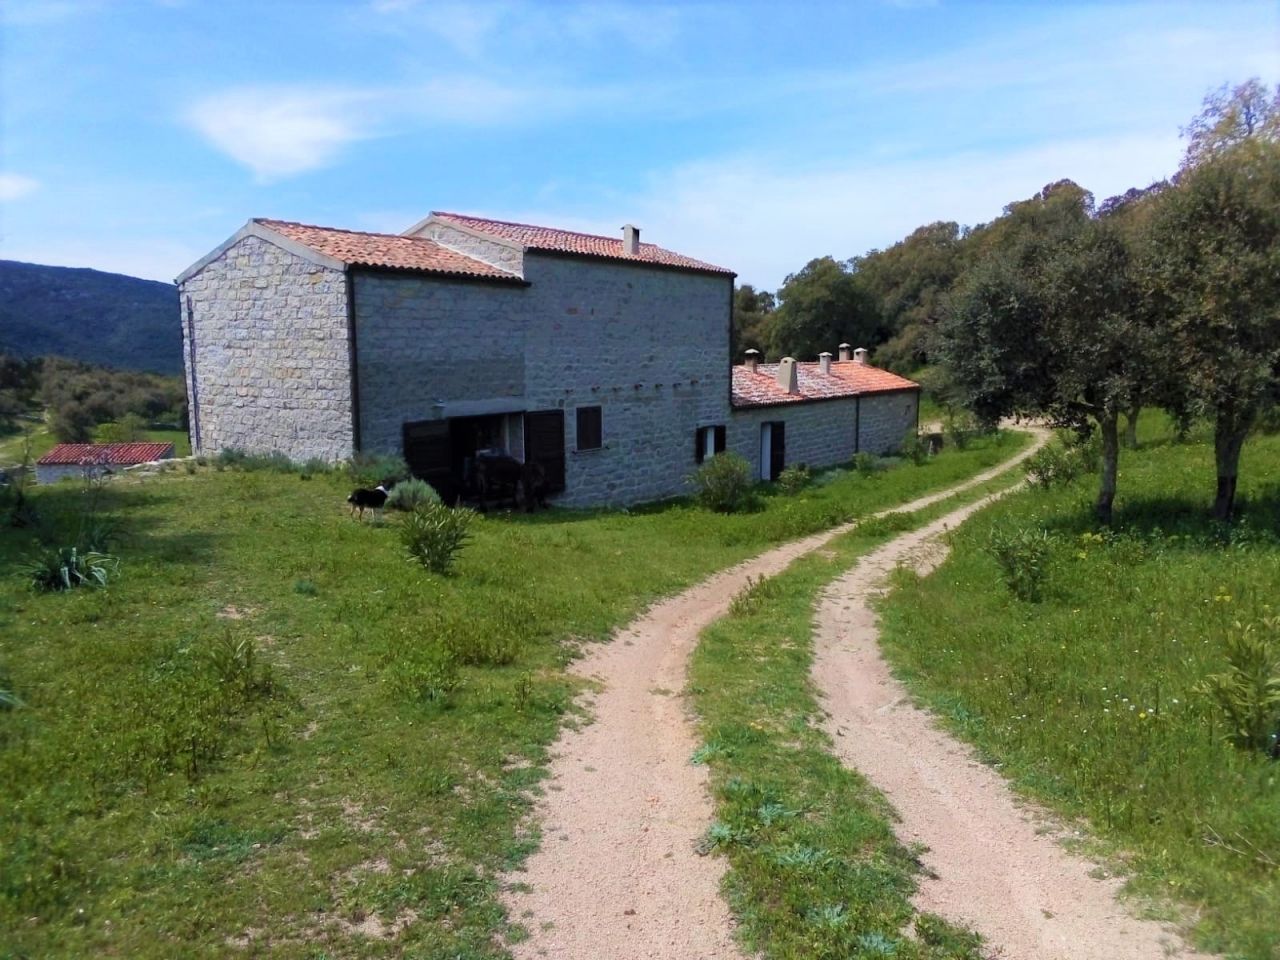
{"points": [[389, 250], [847, 378], [105, 454], [550, 239]]}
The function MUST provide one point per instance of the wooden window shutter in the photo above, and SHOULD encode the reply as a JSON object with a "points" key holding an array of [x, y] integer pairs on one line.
{"points": [[698, 445], [720, 439], [590, 428]]}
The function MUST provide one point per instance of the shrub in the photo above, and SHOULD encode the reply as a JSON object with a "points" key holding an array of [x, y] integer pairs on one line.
{"points": [[65, 568], [410, 494], [914, 448], [1248, 691], [434, 535], [1023, 556], [421, 672], [794, 479], [865, 463], [1061, 461], [960, 428], [723, 484], [314, 467], [371, 469]]}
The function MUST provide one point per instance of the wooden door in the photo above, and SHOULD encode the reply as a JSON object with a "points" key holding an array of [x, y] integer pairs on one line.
{"points": [[544, 444], [429, 454], [777, 449]]}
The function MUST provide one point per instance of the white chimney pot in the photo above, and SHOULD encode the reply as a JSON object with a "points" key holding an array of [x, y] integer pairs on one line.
{"points": [[824, 361], [788, 378], [860, 355], [844, 352], [631, 240], [752, 360]]}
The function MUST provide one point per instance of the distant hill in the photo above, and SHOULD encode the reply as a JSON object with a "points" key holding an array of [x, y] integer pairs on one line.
{"points": [[104, 318]]}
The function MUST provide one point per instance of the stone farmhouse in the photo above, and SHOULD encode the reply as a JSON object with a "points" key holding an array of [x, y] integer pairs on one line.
{"points": [[604, 359]]}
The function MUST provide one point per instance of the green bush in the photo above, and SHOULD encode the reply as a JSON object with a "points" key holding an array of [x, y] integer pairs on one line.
{"points": [[865, 463], [371, 469], [1248, 692], [914, 448], [724, 484], [1023, 556], [434, 535], [410, 494], [794, 479], [65, 568], [1061, 461]]}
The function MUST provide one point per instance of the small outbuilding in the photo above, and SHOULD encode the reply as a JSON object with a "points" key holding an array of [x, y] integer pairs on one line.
{"points": [[96, 459]]}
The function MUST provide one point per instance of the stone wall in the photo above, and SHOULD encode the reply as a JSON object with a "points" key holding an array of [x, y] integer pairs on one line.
{"points": [[501, 255], [272, 370], [650, 347], [886, 418], [823, 433]]}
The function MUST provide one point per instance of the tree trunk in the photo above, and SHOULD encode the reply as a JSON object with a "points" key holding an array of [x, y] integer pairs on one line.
{"points": [[1228, 438], [1131, 426], [1110, 424]]}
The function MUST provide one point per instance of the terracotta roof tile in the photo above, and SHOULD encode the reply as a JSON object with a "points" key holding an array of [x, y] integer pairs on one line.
{"points": [[846, 379], [385, 250], [569, 241], [105, 454]]}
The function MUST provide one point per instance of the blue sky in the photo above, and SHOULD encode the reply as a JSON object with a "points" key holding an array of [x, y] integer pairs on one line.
{"points": [[136, 135]]}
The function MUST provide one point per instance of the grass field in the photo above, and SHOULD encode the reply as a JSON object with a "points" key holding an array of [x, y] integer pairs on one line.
{"points": [[1088, 699], [273, 732], [815, 870]]}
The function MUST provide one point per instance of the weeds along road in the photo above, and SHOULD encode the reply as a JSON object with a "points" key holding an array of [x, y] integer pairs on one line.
{"points": [[996, 866], [617, 874]]}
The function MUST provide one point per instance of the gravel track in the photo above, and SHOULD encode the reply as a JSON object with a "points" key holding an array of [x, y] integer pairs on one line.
{"points": [[617, 875], [994, 865]]}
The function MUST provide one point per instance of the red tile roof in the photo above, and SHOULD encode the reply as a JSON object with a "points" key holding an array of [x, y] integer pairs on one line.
{"points": [[582, 244], [105, 454], [846, 379], [385, 250]]}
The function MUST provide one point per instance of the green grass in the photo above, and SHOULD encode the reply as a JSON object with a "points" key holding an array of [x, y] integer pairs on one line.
{"points": [[272, 727], [815, 870], [1087, 699]]}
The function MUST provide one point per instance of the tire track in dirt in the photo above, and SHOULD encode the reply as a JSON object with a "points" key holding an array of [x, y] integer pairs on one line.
{"points": [[617, 875], [996, 866]]}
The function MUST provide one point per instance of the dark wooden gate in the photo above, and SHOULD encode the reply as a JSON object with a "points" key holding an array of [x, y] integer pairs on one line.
{"points": [[429, 454], [544, 444]]}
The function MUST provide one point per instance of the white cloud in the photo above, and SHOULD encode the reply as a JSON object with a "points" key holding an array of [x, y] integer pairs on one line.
{"points": [[14, 186], [279, 132], [765, 219]]}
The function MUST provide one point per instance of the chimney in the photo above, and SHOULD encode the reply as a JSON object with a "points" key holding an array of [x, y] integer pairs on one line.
{"points": [[630, 240], [860, 355], [787, 378], [824, 361], [844, 352], [752, 360]]}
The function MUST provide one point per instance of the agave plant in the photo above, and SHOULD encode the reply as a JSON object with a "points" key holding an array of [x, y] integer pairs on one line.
{"points": [[65, 568]]}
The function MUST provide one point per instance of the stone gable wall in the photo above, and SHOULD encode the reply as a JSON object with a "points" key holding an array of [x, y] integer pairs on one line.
{"points": [[488, 251], [272, 370]]}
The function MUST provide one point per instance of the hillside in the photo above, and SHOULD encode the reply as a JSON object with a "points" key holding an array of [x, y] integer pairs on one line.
{"points": [[103, 318]]}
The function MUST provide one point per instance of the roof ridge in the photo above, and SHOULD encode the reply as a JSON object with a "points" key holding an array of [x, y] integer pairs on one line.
{"points": [[363, 233], [535, 226]]}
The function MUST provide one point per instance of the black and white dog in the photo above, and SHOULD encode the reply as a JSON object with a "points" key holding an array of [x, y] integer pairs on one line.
{"points": [[362, 499]]}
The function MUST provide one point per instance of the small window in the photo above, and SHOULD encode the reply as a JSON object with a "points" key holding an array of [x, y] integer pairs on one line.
{"points": [[590, 431], [707, 442]]}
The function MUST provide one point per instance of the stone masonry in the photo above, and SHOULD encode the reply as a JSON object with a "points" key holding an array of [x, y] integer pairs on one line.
{"points": [[270, 359], [822, 433], [649, 347]]}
